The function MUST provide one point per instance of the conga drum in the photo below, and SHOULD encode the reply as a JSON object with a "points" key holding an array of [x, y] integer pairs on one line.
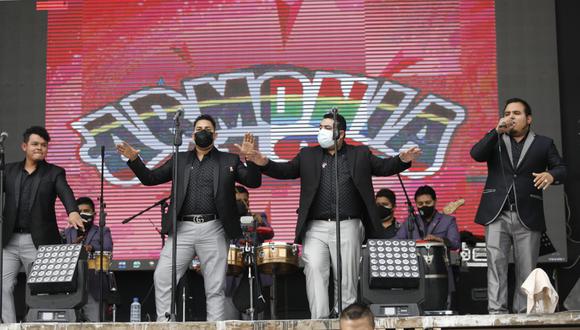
{"points": [[436, 282], [94, 260], [235, 260], [277, 258]]}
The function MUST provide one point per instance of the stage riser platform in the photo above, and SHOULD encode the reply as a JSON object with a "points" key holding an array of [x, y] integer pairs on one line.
{"points": [[563, 320]]}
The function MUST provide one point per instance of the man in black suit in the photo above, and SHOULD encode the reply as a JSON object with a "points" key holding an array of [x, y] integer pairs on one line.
{"points": [[315, 228], [32, 186], [520, 165], [207, 212]]}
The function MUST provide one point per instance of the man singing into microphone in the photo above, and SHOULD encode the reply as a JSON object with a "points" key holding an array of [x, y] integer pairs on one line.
{"points": [[316, 224], [520, 165]]}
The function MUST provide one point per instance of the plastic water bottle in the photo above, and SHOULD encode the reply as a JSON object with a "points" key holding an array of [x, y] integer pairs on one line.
{"points": [[135, 310]]}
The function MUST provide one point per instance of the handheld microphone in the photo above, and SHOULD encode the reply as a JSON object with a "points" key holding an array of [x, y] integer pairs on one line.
{"points": [[3, 136], [506, 124], [178, 114], [335, 130]]}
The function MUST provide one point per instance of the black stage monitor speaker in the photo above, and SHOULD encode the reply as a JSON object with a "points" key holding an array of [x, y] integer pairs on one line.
{"points": [[393, 264], [55, 268], [56, 287], [470, 296], [396, 295]]}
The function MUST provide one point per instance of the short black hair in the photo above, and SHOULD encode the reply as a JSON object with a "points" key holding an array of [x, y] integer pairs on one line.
{"points": [[425, 190], [388, 194], [38, 130], [341, 121], [356, 311], [242, 190], [205, 117], [86, 200], [527, 108]]}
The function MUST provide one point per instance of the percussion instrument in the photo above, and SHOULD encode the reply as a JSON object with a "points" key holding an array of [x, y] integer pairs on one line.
{"points": [[265, 232], [436, 259], [277, 258], [235, 260], [94, 260]]}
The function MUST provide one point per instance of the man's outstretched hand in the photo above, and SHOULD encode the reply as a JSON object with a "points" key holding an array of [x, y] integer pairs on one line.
{"points": [[410, 154], [128, 151]]}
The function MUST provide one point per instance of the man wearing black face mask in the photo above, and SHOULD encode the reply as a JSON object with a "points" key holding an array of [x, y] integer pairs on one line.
{"points": [[432, 225], [207, 213], [90, 240], [386, 204]]}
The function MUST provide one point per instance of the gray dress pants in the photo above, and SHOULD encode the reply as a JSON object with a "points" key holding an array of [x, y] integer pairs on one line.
{"points": [[507, 231], [19, 251], [207, 241], [319, 253]]}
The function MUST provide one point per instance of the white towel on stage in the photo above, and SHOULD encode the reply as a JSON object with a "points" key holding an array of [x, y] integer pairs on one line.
{"points": [[542, 297]]}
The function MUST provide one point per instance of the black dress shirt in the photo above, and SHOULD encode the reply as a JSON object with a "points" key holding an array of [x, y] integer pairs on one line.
{"points": [[23, 218], [517, 148], [200, 195], [390, 231], [324, 205]]}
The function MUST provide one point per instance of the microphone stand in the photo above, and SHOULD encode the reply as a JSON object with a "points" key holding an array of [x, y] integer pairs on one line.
{"points": [[2, 167], [102, 216], [412, 216], [335, 136], [176, 143], [163, 203]]}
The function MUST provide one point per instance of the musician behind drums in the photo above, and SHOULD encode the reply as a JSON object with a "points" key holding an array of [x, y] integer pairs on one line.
{"points": [[90, 240], [264, 231], [386, 204], [432, 226]]}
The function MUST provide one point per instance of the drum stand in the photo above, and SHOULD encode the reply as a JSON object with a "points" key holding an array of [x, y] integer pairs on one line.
{"points": [[250, 262], [273, 297], [183, 305], [113, 290]]}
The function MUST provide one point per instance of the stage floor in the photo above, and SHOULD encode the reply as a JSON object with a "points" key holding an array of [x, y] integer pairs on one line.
{"points": [[563, 320]]}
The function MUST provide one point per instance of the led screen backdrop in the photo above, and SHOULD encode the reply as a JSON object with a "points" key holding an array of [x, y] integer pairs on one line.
{"points": [[403, 73]]}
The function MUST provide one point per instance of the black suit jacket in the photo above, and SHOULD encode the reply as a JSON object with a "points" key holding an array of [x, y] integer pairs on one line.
{"points": [[363, 165], [538, 155], [229, 170], [47, 184]]}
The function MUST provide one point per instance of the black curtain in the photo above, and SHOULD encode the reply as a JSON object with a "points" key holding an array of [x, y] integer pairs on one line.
{"points": [[22, 70], [568, 25]]}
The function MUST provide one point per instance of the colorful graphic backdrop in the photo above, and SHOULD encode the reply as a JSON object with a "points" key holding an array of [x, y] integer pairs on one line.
{"points": [[403, 73]]}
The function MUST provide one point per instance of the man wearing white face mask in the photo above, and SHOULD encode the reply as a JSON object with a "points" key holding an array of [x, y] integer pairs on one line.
{"points": [[316, 225]]}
